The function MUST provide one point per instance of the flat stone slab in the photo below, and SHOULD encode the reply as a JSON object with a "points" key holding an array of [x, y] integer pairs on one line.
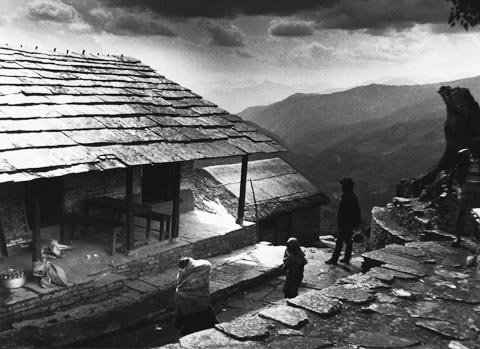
{"points": [[400, 292], [431, 247], [353, 295], [397, 274], [405, 250], [417, 271], [299, 343], [447, 329], [449, 274], [289, 332], [246, 327], [445, 311], [362, 281], [381, 275], [316, 302], [468, 292], [380, 340], [385, 298], [385, 309], [386, 256], [289, 316], [212, 338]]}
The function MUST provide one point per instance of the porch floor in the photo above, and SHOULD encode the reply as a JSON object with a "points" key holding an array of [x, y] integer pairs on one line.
{"points": [[90, 256]]}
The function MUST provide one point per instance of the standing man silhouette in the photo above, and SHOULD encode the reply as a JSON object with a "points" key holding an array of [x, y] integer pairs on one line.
{"points": [[348, 218]]}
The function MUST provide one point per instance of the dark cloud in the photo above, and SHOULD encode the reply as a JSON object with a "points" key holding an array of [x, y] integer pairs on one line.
{"points": [[222, 8], [135, 25], [371, 15], [45, 10], [226, 35], [291, 28], [118, 21], [377, 16]]}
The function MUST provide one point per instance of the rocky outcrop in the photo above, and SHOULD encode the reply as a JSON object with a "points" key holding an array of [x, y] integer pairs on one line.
{"points": [[461, 126]]}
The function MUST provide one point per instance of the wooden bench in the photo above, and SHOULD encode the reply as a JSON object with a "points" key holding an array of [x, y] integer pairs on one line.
{"points": [[115, 228]]}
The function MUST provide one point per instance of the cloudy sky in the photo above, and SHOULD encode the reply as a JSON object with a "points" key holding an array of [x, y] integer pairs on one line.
{"points": [[196, 43]]}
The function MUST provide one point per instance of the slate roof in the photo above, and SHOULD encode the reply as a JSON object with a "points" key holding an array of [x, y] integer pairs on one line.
{"points": [[277, 186], [69, 113]]}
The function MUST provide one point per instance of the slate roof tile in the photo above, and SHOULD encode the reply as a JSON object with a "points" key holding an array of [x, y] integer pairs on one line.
{"points": [[69, 113]]}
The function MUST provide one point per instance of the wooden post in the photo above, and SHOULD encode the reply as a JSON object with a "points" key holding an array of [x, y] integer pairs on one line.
{"points": [[36, 255], [130, 243], [64, 233], [243, 188], [176, 201]]}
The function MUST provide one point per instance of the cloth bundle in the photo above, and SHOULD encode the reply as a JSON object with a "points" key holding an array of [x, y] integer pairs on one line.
{"points": [[49, 274], [193, 287]]}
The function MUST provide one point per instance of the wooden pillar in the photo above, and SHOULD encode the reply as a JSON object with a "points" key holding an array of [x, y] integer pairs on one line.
{"points": [[243, 188], [64, 233], [36, 254], [176, 200], [130, 243]]}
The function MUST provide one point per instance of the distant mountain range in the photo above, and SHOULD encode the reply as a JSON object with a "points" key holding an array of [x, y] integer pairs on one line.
{"points": [[235, 97], [376, 134]]}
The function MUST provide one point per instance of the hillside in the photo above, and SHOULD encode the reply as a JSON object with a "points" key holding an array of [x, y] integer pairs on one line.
{"points": [[376, 134], [311, 120], [236, 97]]}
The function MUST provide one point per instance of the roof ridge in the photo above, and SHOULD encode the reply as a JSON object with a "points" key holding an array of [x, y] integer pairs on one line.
{"points": [[70, 53]]}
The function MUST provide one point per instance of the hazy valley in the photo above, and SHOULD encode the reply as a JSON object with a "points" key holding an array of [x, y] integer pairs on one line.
{"points": [[376, 134]]}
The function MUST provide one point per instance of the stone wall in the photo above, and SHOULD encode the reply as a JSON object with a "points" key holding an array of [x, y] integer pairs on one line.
{"points": [[148, 261], [79, 187]]}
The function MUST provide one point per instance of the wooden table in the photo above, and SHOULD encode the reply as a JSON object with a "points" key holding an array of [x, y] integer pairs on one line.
{"points": [[118, 207]]}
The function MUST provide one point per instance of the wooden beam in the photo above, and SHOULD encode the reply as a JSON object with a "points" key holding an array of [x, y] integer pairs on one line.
{"points": [[176, 200], [36, 254], [130, 243], [243, 188]]}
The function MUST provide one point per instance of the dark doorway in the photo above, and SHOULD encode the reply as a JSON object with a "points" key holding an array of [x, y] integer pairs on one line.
{"points": [[157, 182], [50, 192]]}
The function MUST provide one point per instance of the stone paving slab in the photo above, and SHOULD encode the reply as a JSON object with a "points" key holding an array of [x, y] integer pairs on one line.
{"points": [[214, 339], [406, 270], [289, 316], [316, 302], [298, 343], [353, 295], [448, 329], [247, 327], [397, 274], [380, 340]]}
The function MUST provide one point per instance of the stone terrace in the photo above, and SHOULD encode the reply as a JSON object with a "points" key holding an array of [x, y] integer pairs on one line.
{"points": [[421, 294]]}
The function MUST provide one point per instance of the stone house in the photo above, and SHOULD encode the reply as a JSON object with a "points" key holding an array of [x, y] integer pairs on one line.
{"points": [[279, 199], [75, 127]]}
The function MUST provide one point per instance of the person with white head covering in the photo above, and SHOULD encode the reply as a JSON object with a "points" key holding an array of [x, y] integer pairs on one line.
{"points": [[193, 307]]}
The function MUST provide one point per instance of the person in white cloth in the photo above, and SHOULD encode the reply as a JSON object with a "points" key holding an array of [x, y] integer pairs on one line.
{"points": [[193, 306]]}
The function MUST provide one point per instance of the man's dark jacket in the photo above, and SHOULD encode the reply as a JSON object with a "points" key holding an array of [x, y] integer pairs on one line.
{"points": [[349, 215]]}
